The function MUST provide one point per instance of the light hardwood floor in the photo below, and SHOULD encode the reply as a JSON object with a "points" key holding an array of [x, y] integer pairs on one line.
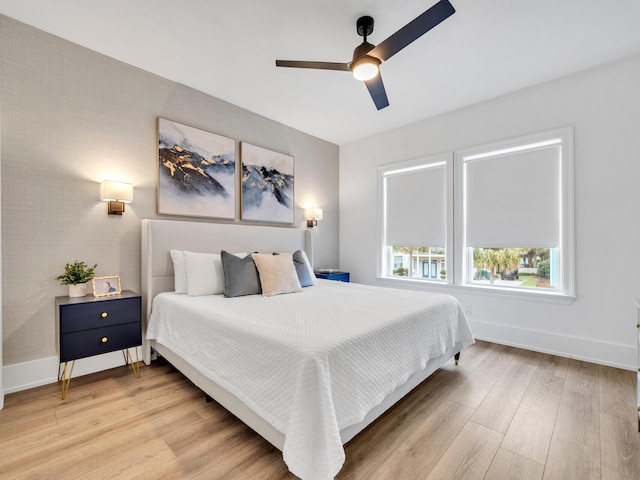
{"points": [[503, 413]]}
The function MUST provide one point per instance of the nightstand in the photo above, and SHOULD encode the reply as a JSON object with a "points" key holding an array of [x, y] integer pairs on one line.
{"points": [[88, 326], [333, 275]]}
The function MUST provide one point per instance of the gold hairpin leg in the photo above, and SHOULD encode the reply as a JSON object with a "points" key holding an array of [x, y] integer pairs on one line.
{"points": [[66, 380], [129, 360]]}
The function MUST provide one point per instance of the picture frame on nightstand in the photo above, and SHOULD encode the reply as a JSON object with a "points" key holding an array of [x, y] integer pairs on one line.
{"points": [[106, 286]]}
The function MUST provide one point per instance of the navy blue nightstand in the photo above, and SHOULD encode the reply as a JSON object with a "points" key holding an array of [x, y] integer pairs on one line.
{"points": [[334, 275], [87, 326]]}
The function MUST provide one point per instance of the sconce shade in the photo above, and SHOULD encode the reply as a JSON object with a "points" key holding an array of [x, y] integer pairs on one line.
{"points": [[313, 214], [117, 194], [117, 191]]}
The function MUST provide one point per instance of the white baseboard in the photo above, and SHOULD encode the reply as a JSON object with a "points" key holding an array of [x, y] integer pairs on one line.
{"points": [[22, 376], [585, 349]]}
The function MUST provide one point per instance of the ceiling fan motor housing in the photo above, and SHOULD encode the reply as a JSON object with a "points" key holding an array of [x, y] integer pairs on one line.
{"points": [[362, 49]]}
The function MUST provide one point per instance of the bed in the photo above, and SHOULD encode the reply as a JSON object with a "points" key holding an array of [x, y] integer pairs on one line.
{"points": [[307, 370]]}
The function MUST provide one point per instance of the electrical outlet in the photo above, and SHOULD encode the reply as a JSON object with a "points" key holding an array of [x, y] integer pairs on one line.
{"points": [[467, 310]]}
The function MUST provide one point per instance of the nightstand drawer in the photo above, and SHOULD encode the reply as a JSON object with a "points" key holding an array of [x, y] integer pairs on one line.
{"points": [[86, 343], [76, 317]]}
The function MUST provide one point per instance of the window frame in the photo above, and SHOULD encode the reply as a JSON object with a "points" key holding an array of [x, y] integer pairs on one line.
{"points": [[566, 244], [385, 253]]}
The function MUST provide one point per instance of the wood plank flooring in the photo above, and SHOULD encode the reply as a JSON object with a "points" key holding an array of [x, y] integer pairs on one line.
{"points": [[503, 413]]}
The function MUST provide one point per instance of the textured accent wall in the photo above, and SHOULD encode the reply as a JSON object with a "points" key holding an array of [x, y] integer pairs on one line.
{"points": [[72, 117]]}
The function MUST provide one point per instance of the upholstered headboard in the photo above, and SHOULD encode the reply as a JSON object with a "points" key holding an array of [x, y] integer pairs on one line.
{"points": [[160, 236]]}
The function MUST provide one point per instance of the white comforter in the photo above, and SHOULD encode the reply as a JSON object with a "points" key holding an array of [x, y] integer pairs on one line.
{"points": [[314, 362]]}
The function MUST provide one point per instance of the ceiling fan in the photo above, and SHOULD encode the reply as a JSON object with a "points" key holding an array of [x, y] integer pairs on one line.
{"points": [[367, 58]]}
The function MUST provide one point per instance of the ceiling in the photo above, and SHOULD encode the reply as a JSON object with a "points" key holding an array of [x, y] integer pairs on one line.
{"points": [[228, 48]]}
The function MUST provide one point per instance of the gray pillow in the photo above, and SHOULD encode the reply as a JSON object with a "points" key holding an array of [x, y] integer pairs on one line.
{"points": [[301, 269], [240, 275]]}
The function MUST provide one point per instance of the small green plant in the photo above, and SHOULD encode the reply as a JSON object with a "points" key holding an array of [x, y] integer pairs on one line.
{"points": [[544, 269], [76, 273], [401, 272], [443, 274]]}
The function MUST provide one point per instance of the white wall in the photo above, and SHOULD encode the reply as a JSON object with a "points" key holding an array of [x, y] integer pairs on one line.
{"points": [[603, 106]]}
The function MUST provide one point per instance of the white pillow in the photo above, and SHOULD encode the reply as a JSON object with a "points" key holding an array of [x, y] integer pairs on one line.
{"points": [[204, 273], [179, 271], [204, 279], [277, 274]]}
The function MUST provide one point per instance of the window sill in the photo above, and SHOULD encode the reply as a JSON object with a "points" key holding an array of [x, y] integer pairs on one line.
{"points": [[504, 292]]}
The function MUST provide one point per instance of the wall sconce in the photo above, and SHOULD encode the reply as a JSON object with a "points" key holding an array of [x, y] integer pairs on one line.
{"points": [[117, 194], [312, 215]]}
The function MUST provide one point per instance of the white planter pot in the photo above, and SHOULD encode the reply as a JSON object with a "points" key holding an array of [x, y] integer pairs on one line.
{"points": [[79, 290]]}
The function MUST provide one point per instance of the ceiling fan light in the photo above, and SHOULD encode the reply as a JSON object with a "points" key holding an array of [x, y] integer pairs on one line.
{"points": [[365, 68]]}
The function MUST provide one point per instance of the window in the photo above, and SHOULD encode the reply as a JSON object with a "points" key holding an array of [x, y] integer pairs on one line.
{"points": [[515, 215], [416, 217], [512, 225]]}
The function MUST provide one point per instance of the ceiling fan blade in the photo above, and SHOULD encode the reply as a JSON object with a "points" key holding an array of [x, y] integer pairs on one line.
{"points": [[413, 30], [318, 65], [377, 92]]}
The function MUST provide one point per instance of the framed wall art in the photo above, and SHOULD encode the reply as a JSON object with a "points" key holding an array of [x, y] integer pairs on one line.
{"points": [[196, 172], [267, 185], [105, 286]]}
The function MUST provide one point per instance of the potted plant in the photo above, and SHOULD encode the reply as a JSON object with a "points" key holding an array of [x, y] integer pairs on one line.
{"points": [[443, 274], [76, 275]]}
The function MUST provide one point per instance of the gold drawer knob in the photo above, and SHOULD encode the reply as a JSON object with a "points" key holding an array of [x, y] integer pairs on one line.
{"points": [[104, 339], [104, 315]]}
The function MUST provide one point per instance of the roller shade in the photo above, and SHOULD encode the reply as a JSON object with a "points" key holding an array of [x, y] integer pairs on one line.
{"points": [[416, 207], [513, 200]]}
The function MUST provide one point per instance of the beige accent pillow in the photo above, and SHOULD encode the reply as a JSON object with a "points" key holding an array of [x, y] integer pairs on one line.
{"points": [[277, 274]]}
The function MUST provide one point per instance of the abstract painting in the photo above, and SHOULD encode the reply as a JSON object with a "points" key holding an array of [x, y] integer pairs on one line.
{"points": [[196, 172], [267, 185]]}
